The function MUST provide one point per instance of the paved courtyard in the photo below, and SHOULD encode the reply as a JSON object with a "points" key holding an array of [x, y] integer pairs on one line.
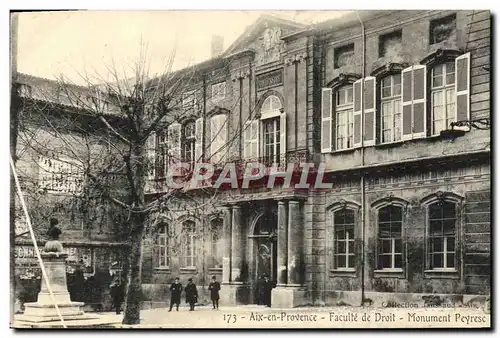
{"points": [[334, 317]]}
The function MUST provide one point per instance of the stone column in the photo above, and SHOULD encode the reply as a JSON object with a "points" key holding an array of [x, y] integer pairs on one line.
{"points": [[295, 244], [282, 242], [226, 255], [238, 244]]}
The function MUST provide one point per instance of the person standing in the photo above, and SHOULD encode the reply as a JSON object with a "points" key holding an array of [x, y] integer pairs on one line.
{"points": [[191, 294], [117, 294], [214, 288], [175, 294], [267, 287]]}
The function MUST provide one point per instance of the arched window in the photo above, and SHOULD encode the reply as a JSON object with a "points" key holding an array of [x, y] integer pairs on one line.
{"points": [[442, 96], [189, 244], [188, 142], [270, 115], [389, 248], [390, 108], [163, 246], [344, 130], [271, 104], [442, 235], [343, 248], [216, 242]]}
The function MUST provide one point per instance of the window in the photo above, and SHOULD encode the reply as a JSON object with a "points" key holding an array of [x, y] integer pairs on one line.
{"points": [[390, 108], [271, 140], [60, 176], [161, 154], [344, 118], [163, 247], [273, 122], [343, 225], [390, 220], [442, 96], [218, 91], [343, 56], [442, 29], [218, 134], [189, 244], [189, 100], [442, 235], [216, 242], [188, 142], [390, 44]]}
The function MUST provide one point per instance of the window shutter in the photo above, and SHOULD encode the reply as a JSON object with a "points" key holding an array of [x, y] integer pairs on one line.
{"points": [[414, 83], [251, 139], [326, 120], [419, 101], [283, 138], [406, 103], [247, 139], [151, 155], [218, 130], [255, 138], [357, 110], [369, 92], [198, 146], [462, 85], [174, 142]]}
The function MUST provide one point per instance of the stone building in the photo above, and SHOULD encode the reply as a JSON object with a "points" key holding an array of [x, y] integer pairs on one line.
{"points": [[368, 95], [49, 128]]}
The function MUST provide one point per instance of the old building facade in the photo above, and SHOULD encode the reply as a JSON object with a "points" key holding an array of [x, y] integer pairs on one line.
{"points": [[367, 96], [53, 134]]}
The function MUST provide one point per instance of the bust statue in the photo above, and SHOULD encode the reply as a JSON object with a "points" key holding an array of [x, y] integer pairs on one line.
{"points": [[53, 244]]}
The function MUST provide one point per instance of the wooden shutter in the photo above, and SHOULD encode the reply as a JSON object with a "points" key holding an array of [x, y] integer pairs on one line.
{"points": [[283, 138], [326, 120], [419, 101], [256, 138], [357, 110], [174, 142], [251, 139], [462, 88], [247, 139], [414, 96], [198, 147], [218, 130], [369, 99], [406, 103], [151, 155]]}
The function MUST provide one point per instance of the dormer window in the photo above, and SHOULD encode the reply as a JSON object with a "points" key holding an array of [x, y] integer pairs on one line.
{"points": [[442, 29]]}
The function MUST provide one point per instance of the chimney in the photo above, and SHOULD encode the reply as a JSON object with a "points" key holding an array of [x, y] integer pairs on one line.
{"points": [[217, 45]]}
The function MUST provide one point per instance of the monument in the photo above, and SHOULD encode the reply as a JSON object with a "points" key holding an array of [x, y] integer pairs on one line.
{"points": [[44, 313]]}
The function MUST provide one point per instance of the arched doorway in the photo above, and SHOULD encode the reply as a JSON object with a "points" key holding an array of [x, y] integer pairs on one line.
{"points": [[265, 250]]}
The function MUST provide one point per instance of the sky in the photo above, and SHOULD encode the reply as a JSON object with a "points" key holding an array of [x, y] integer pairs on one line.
{"points": [[51, 44]]}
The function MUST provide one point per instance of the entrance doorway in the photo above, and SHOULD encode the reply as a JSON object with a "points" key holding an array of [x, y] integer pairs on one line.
{"points": [[265, 250]]}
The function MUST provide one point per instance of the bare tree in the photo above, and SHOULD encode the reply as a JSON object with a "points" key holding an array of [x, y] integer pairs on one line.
{"points": [[102, 130]]}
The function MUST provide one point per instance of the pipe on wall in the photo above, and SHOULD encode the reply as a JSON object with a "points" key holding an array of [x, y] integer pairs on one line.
{"points": [[362, 178]]}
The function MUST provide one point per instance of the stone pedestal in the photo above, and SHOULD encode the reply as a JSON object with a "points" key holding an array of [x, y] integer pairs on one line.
{"points": [[44, 313], [286, 297], [234, 293]]}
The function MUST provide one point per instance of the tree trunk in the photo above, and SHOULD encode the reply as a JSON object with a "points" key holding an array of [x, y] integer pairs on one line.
{"points": [[134, 292], [138, 226]]}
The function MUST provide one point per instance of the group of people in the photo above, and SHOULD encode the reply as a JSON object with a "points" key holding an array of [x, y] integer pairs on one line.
{"points": [[191, 293]]}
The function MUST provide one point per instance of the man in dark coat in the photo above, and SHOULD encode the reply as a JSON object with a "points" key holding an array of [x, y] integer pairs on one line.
{"points": [[214, 288], [191, 294], [175, 294], [266, 288], [117, 294]]}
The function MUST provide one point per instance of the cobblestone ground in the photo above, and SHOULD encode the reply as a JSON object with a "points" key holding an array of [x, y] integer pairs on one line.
{"points": [[335, 317]]}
